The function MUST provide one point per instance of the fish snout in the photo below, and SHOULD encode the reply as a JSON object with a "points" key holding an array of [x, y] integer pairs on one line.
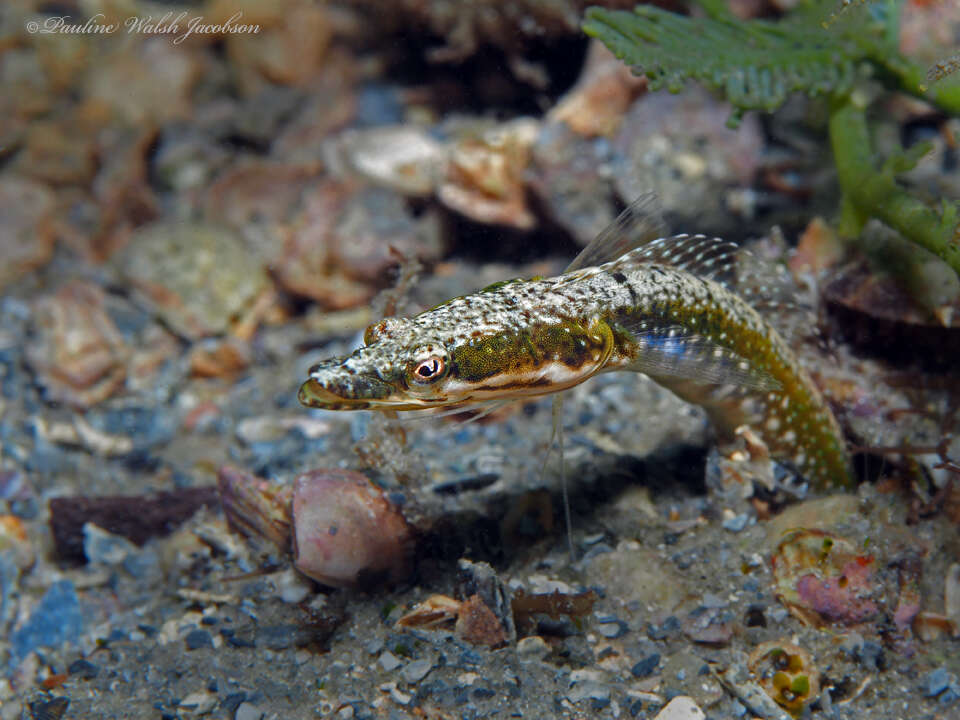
{"points": [[333, 387]]}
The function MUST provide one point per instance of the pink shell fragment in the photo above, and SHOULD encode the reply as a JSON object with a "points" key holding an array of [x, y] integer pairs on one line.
{"points": [[346, 532]]}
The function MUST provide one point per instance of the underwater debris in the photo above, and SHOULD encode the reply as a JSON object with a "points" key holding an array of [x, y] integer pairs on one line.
{"points": [[255, 507], [198, 278], [490, 614], [78, 354], [404, 158], [27, 240], [346, 532], [787, 673], [873, 313], [135, 517], [822, 579], [596, 104], [485, 177]]}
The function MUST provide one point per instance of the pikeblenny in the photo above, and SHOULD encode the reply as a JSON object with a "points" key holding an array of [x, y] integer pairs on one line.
{"points": [[664, 307]]}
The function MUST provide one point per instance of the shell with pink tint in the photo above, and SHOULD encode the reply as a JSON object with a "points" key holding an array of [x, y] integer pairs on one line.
{"points": [[346, 532]]}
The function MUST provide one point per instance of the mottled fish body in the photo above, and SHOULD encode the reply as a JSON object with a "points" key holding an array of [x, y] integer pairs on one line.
{"points": [[663, 308]]}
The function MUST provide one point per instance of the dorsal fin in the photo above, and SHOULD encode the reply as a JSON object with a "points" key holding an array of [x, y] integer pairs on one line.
{"points": [[635, 227], [706, 257]]}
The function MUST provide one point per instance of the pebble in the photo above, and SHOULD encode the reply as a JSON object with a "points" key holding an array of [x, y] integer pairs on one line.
{"points": [[247, 711], [199, 703], [532, 649], [681, 708], [870, 655], [647, 666], [389, 661], [417, 670], [197, 639], [589, 689], [84, 669], [736, 523], [935, 682], [55, 620], [612, 627]]}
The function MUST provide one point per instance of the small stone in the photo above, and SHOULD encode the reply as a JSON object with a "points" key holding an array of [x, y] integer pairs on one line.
{"points": [[84, 669], [589, 689], [104, 547], [198, 703], [50, 710], [612, 627], [533, 648], [416, 671], [247, 711], [870, 655], [55, 620], [681, 708], [736, 523], [389, 661], [232, 701], [670, 626], [197, 639], [935, 682], [647, 666]]}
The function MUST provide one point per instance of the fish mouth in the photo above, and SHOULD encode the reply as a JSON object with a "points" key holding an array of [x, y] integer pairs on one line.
{"points": [[360, 393]]}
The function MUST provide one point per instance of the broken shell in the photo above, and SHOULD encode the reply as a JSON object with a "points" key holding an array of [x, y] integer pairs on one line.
{"points": [[435, 610], [603, 93], [255, 507], [787, 674], [485, 178], [198, 278], [403, 158], [14, 538], [821, 578], [346, 532], [26, 242], [78, 355]]}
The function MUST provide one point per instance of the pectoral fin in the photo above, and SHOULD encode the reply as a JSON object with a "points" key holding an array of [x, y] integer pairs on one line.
{"points": [[672, 351]]}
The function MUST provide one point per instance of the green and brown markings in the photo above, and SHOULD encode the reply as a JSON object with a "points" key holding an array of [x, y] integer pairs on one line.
{"points": [[664, 307]]}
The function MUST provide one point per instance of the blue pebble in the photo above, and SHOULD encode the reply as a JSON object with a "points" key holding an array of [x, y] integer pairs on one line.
{"points": [[935, 682], [54, 621], [736, 523]]}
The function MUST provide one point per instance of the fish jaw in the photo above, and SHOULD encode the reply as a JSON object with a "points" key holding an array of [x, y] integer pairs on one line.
{"points": [[339, 384]]}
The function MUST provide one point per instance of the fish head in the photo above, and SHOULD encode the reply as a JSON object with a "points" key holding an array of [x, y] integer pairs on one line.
{"points": [[404, 365], [398, 368]]}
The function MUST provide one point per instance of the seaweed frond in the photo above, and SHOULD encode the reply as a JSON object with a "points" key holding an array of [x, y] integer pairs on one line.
{"points": [[820, 48], [756, 64]]}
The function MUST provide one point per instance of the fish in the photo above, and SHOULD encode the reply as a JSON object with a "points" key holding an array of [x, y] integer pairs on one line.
{"points": [[633, 300]]}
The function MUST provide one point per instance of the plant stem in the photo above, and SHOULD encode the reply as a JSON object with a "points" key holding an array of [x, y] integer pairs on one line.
{"points": [[871, 193]]}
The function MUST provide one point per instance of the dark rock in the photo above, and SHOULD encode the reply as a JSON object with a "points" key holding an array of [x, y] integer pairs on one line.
{"points": [[871, 656], [49, 710], [669, 627], [135, 517], [232, 701], [197, 639], [612, 627], [647, 666], [84, 669]]}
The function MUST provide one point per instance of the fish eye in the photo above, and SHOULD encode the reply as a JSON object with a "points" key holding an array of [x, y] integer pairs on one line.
{"points": [[429, 370], [428, 365]]}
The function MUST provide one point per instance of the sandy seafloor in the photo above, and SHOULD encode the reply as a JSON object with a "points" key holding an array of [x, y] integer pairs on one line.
{"points": [[186, 228]]}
